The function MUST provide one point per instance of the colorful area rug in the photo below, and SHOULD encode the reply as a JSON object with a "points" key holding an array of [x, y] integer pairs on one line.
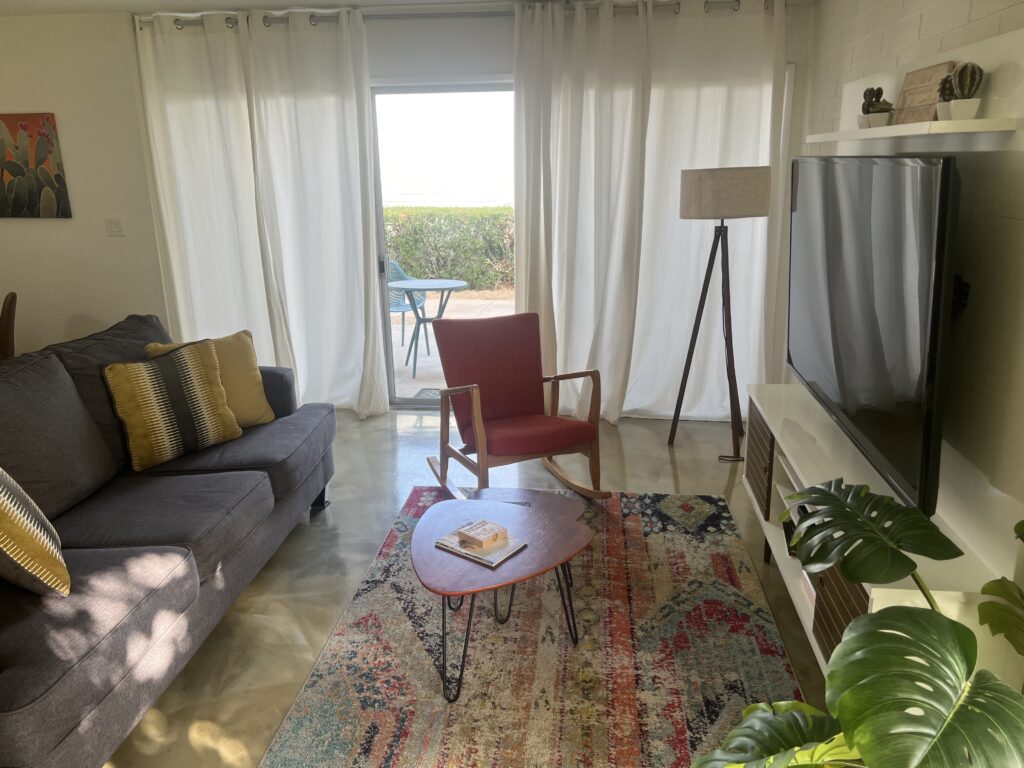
{"points": [[675, 640]]}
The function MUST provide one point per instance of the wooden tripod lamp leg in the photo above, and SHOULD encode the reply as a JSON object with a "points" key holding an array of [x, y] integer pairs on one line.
{"points": [[695, 333], [735, 417]]}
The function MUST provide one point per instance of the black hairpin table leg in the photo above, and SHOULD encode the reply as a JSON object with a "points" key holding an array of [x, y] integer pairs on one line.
{"points": [[565, 592], [454, 605], [452, 688], [499, 617]]}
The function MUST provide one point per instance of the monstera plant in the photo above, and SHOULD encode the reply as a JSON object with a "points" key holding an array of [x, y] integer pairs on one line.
{"points": [[902, 688]]}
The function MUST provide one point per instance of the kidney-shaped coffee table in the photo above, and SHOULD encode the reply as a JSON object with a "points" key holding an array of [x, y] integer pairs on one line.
{"points": [[553, 534]]}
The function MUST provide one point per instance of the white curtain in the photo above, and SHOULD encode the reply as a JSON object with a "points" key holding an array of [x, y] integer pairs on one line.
{"points": [[611, 107], [278, 106], [196, 110]]}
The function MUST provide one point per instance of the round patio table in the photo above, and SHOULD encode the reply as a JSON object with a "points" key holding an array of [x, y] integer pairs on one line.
{"points": [[445, 287]]}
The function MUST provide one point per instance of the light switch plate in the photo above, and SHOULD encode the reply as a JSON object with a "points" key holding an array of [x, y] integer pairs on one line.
{"points": [[115, 226]]}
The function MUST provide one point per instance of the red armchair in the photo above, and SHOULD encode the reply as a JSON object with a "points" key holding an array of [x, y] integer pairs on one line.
{"points": [[496, 385]]}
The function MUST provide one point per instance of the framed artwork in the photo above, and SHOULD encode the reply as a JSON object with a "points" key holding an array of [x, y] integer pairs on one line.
{"points": [[32, 183], [918, 101]]}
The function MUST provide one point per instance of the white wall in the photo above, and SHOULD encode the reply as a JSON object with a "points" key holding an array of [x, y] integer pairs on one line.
{"points": [[855, 38], [981, 483], [71, 278]]}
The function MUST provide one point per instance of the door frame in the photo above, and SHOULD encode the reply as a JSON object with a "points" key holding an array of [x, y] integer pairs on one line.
{"points": [[419, 86]]}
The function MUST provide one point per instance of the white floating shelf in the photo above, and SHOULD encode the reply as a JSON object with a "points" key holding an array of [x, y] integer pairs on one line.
{"points": [[989, 125]]}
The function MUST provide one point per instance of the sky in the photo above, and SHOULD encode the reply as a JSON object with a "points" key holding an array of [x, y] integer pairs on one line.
{"points": [[448, 149]]}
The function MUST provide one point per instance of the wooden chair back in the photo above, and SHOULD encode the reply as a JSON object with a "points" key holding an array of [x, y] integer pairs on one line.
{"points": [[502, 356], [7, 326]]}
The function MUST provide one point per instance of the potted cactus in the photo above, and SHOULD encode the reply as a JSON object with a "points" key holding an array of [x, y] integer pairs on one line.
{"points": [[958, 99], [875, 111]]}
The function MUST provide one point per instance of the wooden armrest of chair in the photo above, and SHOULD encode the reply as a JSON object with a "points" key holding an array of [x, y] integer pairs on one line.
{"points": [[477, 417], [595, 393]]}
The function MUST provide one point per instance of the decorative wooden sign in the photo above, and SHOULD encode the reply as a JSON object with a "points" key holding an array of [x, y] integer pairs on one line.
{"points": [[920, 93]]}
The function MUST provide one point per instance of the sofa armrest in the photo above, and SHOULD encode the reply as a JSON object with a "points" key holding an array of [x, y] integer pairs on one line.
{"points": [[279, 387]]}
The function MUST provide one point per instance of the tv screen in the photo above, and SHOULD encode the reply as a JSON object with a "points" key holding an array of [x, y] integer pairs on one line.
{"points": [[869, 299]]}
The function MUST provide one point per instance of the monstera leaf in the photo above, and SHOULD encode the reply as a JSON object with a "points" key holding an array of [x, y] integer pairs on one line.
{"points": [[866, 532], [1006, 615], [903, 684], [786, 734]]}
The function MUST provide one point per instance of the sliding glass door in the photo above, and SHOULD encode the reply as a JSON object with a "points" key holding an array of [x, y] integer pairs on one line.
{"points": [[445, 221]]}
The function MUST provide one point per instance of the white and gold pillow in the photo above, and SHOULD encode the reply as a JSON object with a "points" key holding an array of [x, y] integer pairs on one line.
{"points": [[29, 546]]}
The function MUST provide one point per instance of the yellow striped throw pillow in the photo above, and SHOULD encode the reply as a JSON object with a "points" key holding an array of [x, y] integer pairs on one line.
{"points": [[171, 405], [29, 546]]}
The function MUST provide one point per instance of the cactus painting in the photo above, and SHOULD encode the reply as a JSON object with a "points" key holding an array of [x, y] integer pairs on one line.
{"points": [[32, 182]]}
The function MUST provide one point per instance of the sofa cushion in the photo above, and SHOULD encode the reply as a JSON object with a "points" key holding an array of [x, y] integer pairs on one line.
{"points": [[240, 375], [286, 449], [59, 657], [171, 405], [211, 515], [86, 358], [48, 442], [29, 548]]}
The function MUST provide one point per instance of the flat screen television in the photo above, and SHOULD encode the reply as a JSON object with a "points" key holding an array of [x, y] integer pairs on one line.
{"points": [[870, 296]]}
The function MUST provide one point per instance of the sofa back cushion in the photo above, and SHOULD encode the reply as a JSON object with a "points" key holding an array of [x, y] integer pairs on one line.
{"points": [[86, 358], [50, 445]]}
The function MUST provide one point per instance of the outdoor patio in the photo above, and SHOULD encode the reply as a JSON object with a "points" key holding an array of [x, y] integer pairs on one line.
{"points": [[429, 378]]}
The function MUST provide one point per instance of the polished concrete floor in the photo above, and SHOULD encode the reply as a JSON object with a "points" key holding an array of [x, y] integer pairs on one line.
{"points": [[225, 707]]}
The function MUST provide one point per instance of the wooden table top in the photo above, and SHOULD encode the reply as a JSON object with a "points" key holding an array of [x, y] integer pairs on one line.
{"points": [[545, 502], [551, 539]]}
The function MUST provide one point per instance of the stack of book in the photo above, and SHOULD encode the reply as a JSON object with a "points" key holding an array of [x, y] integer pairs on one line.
{"points": [[482, 542]]}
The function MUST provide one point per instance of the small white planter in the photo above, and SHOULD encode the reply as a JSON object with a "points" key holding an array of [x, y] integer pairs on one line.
{"points": [[964, 109], [863, 121], [945, 110], [878, 119]]}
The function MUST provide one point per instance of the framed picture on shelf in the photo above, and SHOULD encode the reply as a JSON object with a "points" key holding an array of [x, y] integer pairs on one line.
{"points": [[919, 96]]}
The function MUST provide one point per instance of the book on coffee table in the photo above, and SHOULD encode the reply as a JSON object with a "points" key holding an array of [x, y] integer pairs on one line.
{"points": [[480, 534], [492, 556]]}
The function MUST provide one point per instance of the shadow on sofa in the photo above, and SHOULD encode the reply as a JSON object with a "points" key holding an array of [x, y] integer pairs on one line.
{"points": [[155, 558]]}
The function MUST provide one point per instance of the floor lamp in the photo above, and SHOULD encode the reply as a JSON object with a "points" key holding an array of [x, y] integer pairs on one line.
{"points": [[720, 194]]}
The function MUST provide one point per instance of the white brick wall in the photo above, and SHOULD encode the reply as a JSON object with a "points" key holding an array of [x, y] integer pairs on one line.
{"points": [[855, 38]]}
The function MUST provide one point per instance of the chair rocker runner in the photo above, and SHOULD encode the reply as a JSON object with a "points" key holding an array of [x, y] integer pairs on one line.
{"points": [[496, 388]]}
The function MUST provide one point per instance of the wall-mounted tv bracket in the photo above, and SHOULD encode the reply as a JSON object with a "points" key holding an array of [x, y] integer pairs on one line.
{"points": [[961, 292]]}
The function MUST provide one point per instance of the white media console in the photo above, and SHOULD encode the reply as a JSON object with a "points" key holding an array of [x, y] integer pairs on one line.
{"points": [[794, 443]]}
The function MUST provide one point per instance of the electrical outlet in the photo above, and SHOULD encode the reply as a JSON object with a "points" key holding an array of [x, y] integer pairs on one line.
{"points": [[115, 226]]}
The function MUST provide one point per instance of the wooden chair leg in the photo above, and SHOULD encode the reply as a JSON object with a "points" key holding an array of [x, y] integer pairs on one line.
{"points": [[483, 476], [442, 477], [595, 464]]}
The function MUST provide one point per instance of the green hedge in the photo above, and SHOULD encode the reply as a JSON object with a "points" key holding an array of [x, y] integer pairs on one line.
{"points": [[471, 244]]}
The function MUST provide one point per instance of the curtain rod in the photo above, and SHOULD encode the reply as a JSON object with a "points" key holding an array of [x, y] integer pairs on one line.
{"points": [[447, 10]]}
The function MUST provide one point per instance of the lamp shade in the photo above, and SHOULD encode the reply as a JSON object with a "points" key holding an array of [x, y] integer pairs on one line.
{"points": [[725, 193]]}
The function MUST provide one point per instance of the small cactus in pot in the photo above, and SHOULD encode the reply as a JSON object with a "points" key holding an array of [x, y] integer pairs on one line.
{"points": [[967, 79], [958, 92], [875, 111], [947, 91]]}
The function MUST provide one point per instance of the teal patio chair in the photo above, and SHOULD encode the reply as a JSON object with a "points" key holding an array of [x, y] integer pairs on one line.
{"points": [[397, 300]]}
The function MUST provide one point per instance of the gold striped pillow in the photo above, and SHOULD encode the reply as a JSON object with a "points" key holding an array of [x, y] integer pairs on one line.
{"points": [[171, 405], [29, 546]]}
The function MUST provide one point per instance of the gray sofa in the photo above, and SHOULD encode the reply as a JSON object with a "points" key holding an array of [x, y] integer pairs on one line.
{"points": [[156, 558]]}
